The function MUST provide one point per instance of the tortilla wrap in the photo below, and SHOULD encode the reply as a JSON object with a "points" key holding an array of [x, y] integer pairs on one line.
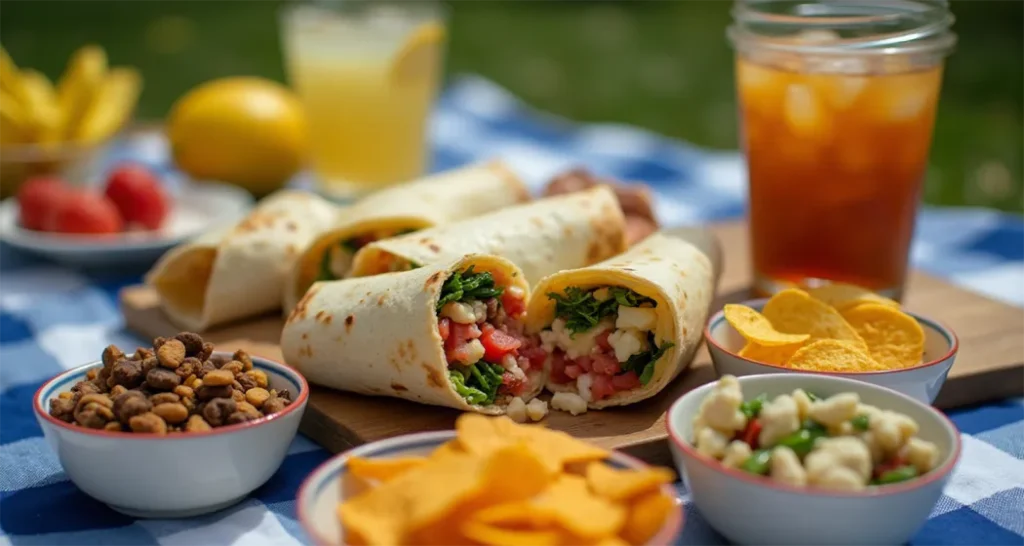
{"points": [[379, 335], [431, 201], [674, 273], [543, 237], [240, 271]]}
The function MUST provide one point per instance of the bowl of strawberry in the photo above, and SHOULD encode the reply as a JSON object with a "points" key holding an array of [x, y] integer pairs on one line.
{"points": [[133, 215]]}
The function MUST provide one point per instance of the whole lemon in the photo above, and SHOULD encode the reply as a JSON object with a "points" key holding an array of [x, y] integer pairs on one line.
{"points": [[244, 130]]}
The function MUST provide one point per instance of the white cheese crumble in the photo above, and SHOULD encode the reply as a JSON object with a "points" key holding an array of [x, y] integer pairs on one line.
{"points": [[627, 343], [516, 410], [574, 345], [570, 402], [583, 383], [639, 318], [536, 409], [474, 352], [459, 312]]}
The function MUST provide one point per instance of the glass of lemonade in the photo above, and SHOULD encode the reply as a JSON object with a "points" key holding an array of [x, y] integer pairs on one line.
{"points": [[837, 103], [367, 72]]}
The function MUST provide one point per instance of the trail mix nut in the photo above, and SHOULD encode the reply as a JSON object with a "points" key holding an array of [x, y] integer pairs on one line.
{"points": [[177, 386]]}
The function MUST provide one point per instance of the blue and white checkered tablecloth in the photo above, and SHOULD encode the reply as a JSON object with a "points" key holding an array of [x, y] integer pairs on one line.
{"points": [[53, 319]]}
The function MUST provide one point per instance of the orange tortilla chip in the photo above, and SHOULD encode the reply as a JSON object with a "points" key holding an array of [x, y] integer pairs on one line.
{"points": [[843, 296], [571, 504], [754, 327], [793, 311], [894, 338], [514, 473], [832, 355], [769, 355], [382, 469], [621, 485], [647, 515], [497, 536], [482, 435]]}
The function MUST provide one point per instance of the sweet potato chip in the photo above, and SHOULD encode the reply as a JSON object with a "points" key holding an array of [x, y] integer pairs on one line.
{"points": [[382, 469], [894, 338], [833, 355], [793, 311], [647, 514], [754, 327], [621, 485], [842, 296], [769, 355], [497, 536]]}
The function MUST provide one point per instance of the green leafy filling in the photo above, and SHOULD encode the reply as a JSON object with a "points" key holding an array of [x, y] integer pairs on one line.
{"points": [[582, 311], [477, 383], [643, 363], [325, 273], [468, 285]]}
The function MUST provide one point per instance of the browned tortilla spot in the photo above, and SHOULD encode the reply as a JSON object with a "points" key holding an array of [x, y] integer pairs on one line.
{"points": [[401, 351], [567, 231], [425, 240], [684, 331], [655, 259], [434, 377], [362, 301], [328, 319], [433, 279], [537, 221], [291, 226], [348, 322], [376, 390], [399, 387], [300, 308], [380, 300], [319, 315], [433, 247], [304, 335], [411, 347]]}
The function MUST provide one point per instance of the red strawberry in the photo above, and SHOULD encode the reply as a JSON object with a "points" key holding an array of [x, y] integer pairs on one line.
{"points": [[37, 199], [80, 211], [138, 195]]}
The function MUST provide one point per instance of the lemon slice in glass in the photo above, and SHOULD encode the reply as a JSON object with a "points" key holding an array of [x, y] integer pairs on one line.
{"points": [[419, 58]]}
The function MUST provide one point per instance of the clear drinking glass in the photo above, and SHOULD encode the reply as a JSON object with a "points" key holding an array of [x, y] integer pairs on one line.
{"points": [[367, 72], [837, 103]]}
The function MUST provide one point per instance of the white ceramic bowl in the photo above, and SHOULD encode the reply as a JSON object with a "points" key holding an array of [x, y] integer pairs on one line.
{"points": [[751, 509], [922, 382], [327, 486], [179, 475]]}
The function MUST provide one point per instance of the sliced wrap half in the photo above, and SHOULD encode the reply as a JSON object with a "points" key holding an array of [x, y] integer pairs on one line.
{"points": [[240, 271], [439, 199], [618, 332], [542, 237], [432, 335]]}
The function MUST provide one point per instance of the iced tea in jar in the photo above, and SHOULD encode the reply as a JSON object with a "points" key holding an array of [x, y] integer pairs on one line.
{"points": [[837, 103]]}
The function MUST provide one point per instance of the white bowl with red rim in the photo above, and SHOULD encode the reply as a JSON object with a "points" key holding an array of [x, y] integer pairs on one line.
{"points": [[922, 382], [176, 475], [328, 486], [750, 509]]}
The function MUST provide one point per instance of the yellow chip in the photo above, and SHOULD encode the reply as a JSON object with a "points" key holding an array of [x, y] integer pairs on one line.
{"points": [[769, 355], [497, 536], [647, 515], [513, 474], [611, 541], [793, 311], [755, 328], [382, 469], [621, 485], [894, 338], [482, 435], [842, 296], [570, 503], [833, 355]]}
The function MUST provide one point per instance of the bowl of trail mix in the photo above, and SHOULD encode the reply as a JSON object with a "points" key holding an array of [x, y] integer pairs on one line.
{"points": [[130, 429], [811, 459]]}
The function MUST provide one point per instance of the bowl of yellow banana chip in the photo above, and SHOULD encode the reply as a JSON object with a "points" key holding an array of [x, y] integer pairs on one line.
{"points": [[61, 128]]}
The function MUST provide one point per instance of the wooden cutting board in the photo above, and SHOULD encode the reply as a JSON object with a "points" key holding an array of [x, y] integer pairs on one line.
{"points": [[990, 365]]}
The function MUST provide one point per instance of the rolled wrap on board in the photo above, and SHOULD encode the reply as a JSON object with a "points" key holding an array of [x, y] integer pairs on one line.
{"points": [[379, 335], [239, 272], [438, 199], [672, 272], [542, 237]]}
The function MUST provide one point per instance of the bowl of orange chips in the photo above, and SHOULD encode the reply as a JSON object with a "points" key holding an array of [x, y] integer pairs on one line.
{"points": [[488, 482], [836, 329]]}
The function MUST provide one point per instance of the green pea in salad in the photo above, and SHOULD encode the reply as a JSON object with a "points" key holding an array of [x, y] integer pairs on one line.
{"points": [[803, 440]]}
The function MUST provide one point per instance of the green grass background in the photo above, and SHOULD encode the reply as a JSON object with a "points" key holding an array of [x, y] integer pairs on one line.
{"points": [[661, 65]]}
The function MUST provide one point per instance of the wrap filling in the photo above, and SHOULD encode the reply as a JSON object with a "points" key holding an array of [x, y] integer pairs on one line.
{"points": [[602, 340], [480, 322], [337, 259]]}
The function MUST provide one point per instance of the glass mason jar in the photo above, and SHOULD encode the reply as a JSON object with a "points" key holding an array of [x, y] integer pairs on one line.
{"points": [[837, 104]]}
